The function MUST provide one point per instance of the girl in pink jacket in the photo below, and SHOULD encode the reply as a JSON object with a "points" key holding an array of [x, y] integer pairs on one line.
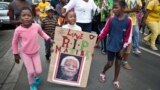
{"points": [[27, 34]]}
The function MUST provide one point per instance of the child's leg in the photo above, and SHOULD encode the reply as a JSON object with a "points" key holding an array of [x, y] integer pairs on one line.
{"points": [[48, 49], [37, 64], [117, 66], [27, 60], [117, 69], [126, 65], [109, 64]]}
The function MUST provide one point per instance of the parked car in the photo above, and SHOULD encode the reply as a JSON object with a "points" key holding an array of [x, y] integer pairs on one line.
{"points": [[4, 18]]}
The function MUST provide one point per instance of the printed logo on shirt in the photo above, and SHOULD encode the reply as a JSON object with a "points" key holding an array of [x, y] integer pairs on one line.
{"points": [[124, 30]]}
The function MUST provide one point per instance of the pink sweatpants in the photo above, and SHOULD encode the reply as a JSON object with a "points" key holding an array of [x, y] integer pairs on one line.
{"points": [[33, 66]]}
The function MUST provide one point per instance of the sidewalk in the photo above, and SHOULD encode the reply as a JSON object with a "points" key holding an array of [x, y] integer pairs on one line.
{"points": [[9, 71]]}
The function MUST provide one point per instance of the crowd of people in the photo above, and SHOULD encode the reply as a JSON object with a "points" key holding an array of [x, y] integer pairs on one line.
{"points": [[119, 23]]}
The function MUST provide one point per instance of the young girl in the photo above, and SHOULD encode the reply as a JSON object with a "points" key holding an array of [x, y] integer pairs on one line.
{"points": [[71, 21], [119, 29], [27, 34]]}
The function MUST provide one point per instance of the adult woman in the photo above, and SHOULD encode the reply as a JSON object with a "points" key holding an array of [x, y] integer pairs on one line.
{"points": [[15, 8], [84, 10], [152, 19]]}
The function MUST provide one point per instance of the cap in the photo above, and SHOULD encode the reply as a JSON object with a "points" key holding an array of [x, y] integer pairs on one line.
{"points": [[49, 8]]}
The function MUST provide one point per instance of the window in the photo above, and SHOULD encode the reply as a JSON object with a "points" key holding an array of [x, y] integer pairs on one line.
{"points": [[3, 6]]}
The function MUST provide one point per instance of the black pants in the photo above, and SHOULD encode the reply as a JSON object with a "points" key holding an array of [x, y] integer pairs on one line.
{"points": [[48, 48], [86, 27]]}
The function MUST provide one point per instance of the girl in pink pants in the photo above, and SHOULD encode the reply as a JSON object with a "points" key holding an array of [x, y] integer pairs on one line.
{"points": [[27, 34]]}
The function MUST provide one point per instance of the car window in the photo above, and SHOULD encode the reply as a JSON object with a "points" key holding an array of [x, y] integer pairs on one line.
{"points": [[3, 6]]}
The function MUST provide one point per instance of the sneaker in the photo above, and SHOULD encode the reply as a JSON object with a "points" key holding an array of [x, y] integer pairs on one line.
{"points": [[137, 52], [154, 48], [146, 42], [37, 81], [126, 65], [104, 53], [33, 87]]}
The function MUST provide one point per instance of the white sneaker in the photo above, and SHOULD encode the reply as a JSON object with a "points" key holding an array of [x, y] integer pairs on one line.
{"points": [[154, 48], [137, 51]]}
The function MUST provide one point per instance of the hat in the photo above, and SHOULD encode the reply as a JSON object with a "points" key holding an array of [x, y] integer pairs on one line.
{"points": [[49, 8]]}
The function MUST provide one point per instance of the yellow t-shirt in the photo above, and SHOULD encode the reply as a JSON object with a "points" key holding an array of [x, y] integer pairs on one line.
{"points": [[131, 4], [154, 7], [41, 7]]}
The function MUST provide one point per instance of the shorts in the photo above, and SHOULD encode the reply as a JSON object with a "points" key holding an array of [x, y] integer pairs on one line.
{"points": [[113, 55], [128, 49]]}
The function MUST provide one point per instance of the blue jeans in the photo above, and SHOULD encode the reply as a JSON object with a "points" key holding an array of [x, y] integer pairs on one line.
{"points": [[104, 41], [135, 37]]}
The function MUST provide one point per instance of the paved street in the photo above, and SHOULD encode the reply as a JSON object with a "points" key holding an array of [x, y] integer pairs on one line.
{"points": [[144, 76], [6, 64]]}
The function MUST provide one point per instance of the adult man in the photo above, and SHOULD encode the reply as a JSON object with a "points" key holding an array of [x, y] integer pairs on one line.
{"points": [[133, 6], [69, 68], [41, 9]]}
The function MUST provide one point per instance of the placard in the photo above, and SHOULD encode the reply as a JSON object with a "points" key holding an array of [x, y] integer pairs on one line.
{"points": [[71, 57]]}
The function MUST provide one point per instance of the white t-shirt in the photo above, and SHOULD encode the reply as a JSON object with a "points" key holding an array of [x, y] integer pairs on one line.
{"points": [[84, 10], [72, 27]]}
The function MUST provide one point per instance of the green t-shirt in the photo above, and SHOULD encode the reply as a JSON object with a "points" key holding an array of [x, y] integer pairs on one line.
{"points": [[105, 10]]}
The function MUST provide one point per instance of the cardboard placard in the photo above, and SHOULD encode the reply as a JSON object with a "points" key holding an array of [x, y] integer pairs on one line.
{"points": [[71, 57]]}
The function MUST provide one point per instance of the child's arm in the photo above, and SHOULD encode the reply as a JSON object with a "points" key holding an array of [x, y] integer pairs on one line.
{"points": [[42, 33], [105, 30], [15, 46], [135, 9]]}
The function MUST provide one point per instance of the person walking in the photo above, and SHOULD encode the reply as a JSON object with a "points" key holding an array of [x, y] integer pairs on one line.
{"points": [[27, 34], [41, 9], [119, 29], [14, 10], [48, 25], [59, 6], [152, 20], [133, 7], [84, 10]]}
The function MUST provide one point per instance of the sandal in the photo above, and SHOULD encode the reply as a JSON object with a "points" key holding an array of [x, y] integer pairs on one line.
{"points": [[116, 85], [102, 78]]}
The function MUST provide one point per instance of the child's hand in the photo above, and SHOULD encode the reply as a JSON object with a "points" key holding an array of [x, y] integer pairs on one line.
{"points": [[17, 58], [121, 53], [97, 44], [52, 41], [137, 8], [92, 54]]}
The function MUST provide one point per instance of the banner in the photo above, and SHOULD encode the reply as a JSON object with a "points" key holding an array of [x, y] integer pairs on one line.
{"points": [[71, 57]]}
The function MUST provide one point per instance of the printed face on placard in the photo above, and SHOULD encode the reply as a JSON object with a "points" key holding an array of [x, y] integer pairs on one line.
{"points": [[69, 68]]}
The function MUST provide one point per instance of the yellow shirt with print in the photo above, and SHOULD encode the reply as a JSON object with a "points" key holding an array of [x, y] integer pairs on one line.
{"points": [[131, 4], [154, 7], [41, 7]]}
